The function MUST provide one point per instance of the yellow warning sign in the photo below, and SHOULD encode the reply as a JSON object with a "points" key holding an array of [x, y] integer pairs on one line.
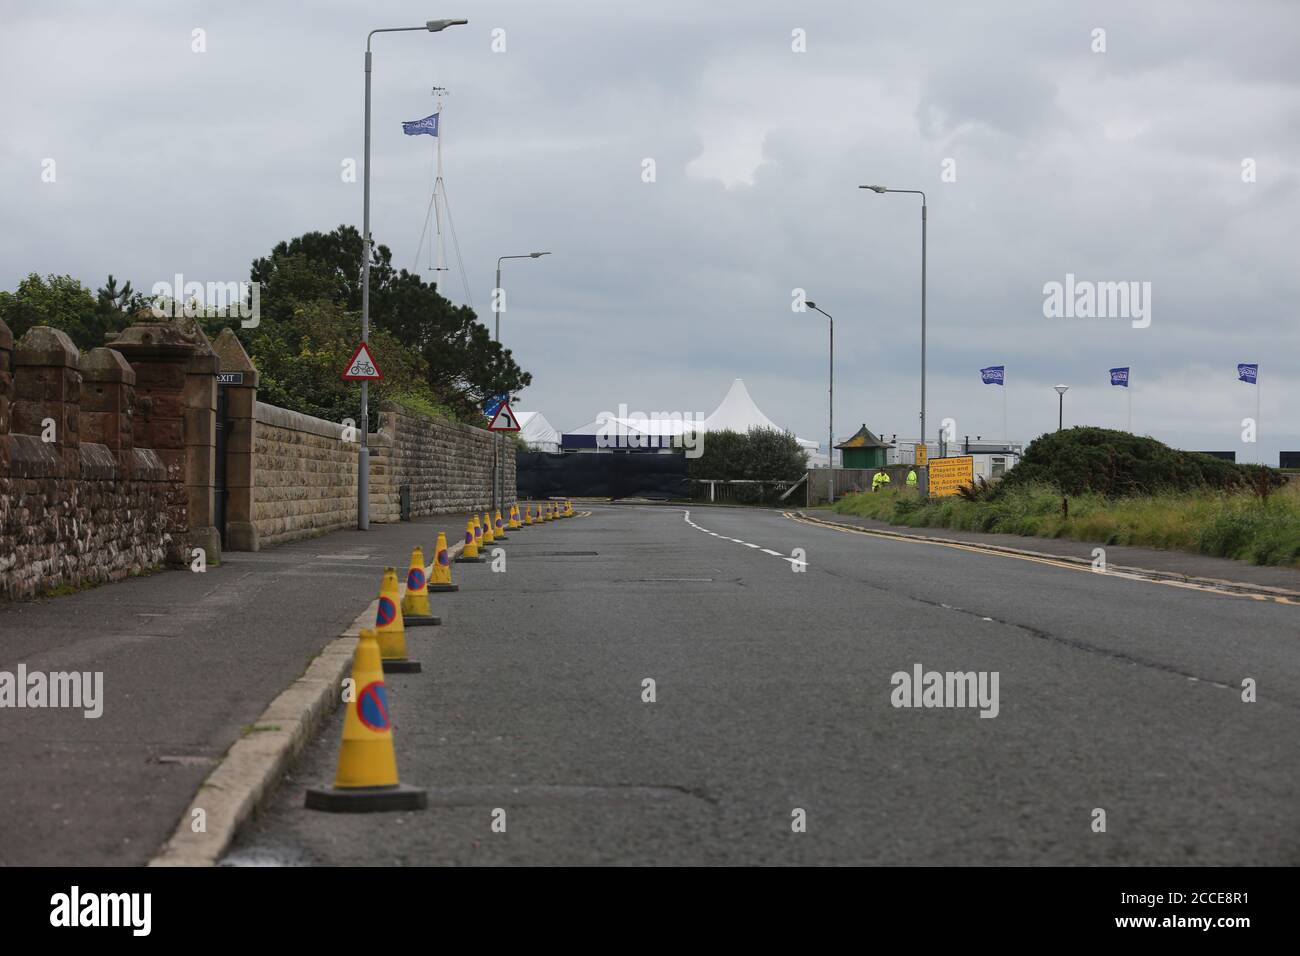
{"points": [[922, 453], [949, 474]]}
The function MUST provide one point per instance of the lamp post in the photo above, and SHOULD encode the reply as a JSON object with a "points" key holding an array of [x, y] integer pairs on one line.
{"points": [[915, 192], [498, 306], [1060, 417], [830, 430], [363, 452]]}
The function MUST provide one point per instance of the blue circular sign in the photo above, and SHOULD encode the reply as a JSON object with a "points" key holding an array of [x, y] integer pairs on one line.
{"points": [[372, 707]]}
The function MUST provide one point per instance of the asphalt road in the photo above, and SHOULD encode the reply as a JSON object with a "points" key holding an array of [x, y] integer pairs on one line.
{"points": [[773, 694]]}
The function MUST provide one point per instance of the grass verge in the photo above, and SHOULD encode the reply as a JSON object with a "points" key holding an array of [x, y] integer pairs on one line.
{"points": [[1235, 525]]}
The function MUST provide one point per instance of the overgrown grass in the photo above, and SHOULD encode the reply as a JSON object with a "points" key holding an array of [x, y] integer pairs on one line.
{"points": [[1224, 524]]}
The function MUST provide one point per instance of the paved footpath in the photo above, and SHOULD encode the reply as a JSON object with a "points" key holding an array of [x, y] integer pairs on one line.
{"points": [[190, 661]]}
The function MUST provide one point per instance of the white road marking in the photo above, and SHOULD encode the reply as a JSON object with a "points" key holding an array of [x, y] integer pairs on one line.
{"points": [[686, 516]]}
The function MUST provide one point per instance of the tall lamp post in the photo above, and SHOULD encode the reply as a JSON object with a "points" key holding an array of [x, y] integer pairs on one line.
{"points": [[830, 430], [363, 452], [498, 306], [1060, 413], [915, 192]]}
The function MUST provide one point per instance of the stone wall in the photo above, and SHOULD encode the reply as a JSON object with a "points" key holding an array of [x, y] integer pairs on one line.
{"points": [[304, 476], [79, 503], [448, 466]]}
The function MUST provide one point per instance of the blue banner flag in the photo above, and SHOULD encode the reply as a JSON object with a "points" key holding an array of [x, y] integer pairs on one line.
{"points": [[427, 125], [1119, 376], [1248, 373], [994, 375], [492, 405]]}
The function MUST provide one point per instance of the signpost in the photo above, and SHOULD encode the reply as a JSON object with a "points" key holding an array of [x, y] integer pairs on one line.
{"points": [[504, 420], [230, 378], [362, 367], [948, 474]]}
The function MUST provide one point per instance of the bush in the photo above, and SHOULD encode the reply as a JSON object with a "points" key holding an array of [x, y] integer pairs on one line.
{"points": [[764, 454], [1117, 464]]}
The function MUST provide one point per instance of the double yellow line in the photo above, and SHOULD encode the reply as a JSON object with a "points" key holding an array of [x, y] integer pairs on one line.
{"points": [[1130, 574]]}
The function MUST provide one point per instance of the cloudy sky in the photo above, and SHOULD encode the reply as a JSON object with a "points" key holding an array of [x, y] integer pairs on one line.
{"points": [[1122, 165]]}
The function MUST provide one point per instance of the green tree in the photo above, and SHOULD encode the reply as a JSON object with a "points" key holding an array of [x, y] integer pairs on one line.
{"points": [[62, 302], [462, 365]]}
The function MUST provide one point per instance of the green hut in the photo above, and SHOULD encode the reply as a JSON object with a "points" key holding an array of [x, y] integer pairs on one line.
{"points": [[863, 450]]}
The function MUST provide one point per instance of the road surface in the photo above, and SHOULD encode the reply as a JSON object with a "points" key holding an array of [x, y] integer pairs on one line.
{"points": [[774, 694]]}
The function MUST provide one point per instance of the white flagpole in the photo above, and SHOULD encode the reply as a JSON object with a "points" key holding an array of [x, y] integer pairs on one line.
{"points": [[1259, 454], [1006, 435], [1130, 401], [437, 183]]}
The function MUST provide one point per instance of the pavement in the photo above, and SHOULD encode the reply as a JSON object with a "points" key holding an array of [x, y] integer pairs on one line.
{"points": [[1120, 735], [189, 662]]}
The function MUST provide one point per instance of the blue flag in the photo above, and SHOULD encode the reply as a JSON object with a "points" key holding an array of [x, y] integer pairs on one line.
{"points": [[994, 375], [492, 405], [1119, 376], [427, 125], [1248, 373]]}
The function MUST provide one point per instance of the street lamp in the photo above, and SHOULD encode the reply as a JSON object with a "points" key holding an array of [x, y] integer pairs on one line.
{"points": [[830, 431], [498, 306], [363, 453], [1060, 420], [915, 192]]}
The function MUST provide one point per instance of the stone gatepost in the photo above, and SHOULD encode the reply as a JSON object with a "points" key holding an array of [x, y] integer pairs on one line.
{"points": [[107, 402], [47, 391], [238, 378], [6, 393], [176, 391]]}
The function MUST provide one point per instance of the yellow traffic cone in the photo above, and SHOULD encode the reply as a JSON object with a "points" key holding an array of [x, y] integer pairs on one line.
{"points": [[415, 602], [392, 633], [440, 575], [568, 508], [470, 553], [513, 518], [498, 527], [488, 536], [528, 515], [550, 512], [366, 780]]}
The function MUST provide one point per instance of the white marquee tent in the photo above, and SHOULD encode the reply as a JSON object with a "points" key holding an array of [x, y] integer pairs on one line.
{"points": [[537, 433], [737, 412]]}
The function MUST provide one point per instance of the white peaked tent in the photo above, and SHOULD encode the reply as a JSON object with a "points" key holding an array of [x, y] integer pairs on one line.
{"points": [[537, 433], [738, 413]]}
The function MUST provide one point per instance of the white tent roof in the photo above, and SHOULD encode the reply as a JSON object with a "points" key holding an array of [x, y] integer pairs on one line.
{"points": [[537, 432], [738, 413]]}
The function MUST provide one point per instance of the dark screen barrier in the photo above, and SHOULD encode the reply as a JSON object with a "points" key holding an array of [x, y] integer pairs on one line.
{"points": [[601, 475]]}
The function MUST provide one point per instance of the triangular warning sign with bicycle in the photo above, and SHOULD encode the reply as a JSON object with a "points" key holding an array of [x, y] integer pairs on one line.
{"points": [[504, 420], [362, 366]]}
